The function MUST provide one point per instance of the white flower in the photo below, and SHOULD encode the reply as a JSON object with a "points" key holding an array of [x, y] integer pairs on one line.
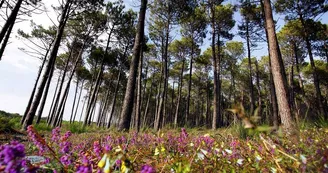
{"points": [[228, 151], [240, 161], [303, 158], [258, 158]]}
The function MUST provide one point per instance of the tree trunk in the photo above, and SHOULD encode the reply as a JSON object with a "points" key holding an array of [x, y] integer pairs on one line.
{"points": [[1, 3], [7, 27], [189, 85], [30, 116], [114, 99], [78, 101], [259, 108], [161, 105], [5, 41], [94, 103], [316, 81], [94, 91], [278, 78], [251, 87], [74, 100], [85, 101], [138, 104], [219, 80], [34, 88], [104, 111], [147, 104], [216, 101], [53, 98], [45, 95], [179, 96], [56, 109], [127, 107], [68, 84]]}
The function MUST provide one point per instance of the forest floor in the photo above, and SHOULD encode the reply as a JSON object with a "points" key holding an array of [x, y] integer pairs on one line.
{"points": [[172, 150]]}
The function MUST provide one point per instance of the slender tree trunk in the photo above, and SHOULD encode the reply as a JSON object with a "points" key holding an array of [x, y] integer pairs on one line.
{"points": [[104, 111], [139, 82], [78, 101], [179, 95], [112, 108], [147, 104], [278, 78], [62, 110], [30, 116], [68, 84], [208, 103], [53, 98], [85, 101], [94, 103], [219, 77], [127, 107], [259, 108], [34, 88], [5, 41], [143, 95], [1, 3], [251, 87], [45, 95], [56, 109], [101, 107], [172, 104], [9, 24], [189, 85], [74, 100], [316, 81], [94, 92], [216, 101]]}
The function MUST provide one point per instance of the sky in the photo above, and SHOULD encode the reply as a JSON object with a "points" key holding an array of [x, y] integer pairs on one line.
{"points": [[18, 71]]}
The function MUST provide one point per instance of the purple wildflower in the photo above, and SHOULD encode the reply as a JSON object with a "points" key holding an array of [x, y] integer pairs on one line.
{"points": [[147, 169], [36, 140], [97, 149], [12, 158], [66, 160], [55, 134], [85, 167]]}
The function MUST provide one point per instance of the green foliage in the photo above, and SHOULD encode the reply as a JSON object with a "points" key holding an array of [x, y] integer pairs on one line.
{"points": [[76, 128], [43, 127], [224, 20], [5, 124]]}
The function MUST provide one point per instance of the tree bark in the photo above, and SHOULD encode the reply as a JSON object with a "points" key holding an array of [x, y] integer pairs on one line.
{"points": [[259, 108], [78, 101], [68, 84], [216, 101], [74, 100], [139, 82], [7, 27], [251, 87], [5, 41], [179, 95], [55, 108], [147, 104], [45, 95], [34, 87], [189, 84], [53, 98], [127, 107], [30, 116], [278, 78], [94, 91], [112, 108]]}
